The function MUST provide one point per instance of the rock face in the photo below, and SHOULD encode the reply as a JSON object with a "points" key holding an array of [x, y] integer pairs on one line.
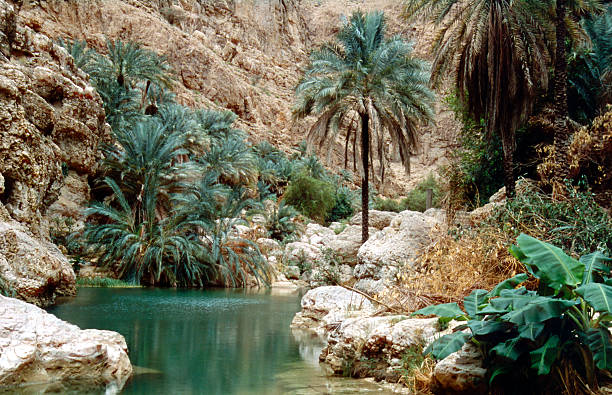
{"points": [[377, 219], [461, 373], [51, 123], [327, 305], [31, 269], [36, 346], [398, 243]]}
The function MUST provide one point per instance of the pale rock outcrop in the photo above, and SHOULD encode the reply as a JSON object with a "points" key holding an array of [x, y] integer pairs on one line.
{"points": [[461, 373], [398, 244], [298, 251], [383, 338], [346, 243], [74, 196], [269, 246], [377, 219], [36, 346], [31, 269], [327, 305], [292, 272]]}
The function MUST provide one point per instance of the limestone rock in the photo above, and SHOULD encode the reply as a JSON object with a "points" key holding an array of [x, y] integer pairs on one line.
{"points": [[327, 305], [49, 116], [346, 243], [398, 243], [292, 272], [36, 346], [33, 270], [460, 373], [377, 219], [74, 196], [298, 251]]}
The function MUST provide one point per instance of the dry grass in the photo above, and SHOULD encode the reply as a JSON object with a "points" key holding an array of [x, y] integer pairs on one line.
{"points": [[451, 268]]}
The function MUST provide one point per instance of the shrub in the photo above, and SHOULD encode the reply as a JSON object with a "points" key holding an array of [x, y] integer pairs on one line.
{"points": [[281, 222], [314, 198], [417, 198], [550, 335], [343, 205], [384, 204], [575, 223]]}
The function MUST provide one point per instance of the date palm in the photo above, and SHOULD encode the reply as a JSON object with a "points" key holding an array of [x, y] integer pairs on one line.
{"points": [[375, 80], [497, 52]]}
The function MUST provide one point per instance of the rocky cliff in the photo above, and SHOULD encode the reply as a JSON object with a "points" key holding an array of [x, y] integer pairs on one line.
{"points": [[51, 122]]}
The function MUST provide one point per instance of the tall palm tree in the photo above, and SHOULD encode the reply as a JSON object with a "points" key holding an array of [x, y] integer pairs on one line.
{"points": [[497, 51], [563, 130], [363, 76]]}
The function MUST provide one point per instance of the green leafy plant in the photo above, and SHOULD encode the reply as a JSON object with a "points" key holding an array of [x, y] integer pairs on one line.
{"points": [[280, 223], [535, 333], [314, 198], [344, 204]]}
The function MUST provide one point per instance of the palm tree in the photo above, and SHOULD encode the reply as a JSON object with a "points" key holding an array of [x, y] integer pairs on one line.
{"points": [[366, 78], [563, 129], [497, 52]]}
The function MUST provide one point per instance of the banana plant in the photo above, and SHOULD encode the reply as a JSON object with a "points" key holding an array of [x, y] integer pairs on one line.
{"points": [[569, 314]]}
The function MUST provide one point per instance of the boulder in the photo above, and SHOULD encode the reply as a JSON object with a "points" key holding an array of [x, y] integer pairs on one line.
{"points": [[31, 269], [36, 346], [398, 244], [461, 373], [292, 272], [383, 338], [346, 243], [329, 305], [300, 251], [376, 219], [316, 234]]}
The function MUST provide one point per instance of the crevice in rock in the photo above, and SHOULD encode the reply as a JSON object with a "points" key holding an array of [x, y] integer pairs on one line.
{"points": [[9, 186]]}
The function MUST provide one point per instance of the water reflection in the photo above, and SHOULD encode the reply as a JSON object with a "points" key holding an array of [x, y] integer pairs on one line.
{"points": [[206, 342]]}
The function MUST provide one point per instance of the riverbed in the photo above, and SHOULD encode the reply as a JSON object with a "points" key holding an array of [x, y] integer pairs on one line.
{"points": [[209, 341]]}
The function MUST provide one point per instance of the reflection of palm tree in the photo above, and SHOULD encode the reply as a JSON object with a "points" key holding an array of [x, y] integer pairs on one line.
{"points": [[376, 79]]}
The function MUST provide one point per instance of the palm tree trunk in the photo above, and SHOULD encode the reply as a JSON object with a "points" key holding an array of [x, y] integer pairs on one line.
{"points": [[365, 190], [562, 129], [508, 149]]}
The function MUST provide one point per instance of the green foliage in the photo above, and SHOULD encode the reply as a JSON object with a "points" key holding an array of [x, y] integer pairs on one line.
{"points": [[534, 332], [478, 172], [344, 205], [590, 67], [103, 282], [415, 200], [314, 198], [280, 223], [576, 224]]}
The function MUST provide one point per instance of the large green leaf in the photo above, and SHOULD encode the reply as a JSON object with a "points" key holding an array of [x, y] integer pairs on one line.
{"points": [[538, 310], [448, 310], [550, 263], [473, 301], [447, 344], [531, 331], [510, 299], [598, 295], [599, 342], [482, 328], [510, 283], [593, 263], [510, 349], [544, 357]]}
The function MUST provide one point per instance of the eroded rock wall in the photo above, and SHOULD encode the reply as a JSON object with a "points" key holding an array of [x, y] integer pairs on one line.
{"points": [[51, 122]]}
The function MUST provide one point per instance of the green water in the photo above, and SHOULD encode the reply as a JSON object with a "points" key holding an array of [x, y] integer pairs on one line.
{"points": [[208, 342]]}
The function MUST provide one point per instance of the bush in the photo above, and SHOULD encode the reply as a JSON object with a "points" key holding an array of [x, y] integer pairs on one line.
{"points": [[417, 198], [280, 222], [343, 205], [556, 337], [476, 168], [314, 198], [575, 223]]}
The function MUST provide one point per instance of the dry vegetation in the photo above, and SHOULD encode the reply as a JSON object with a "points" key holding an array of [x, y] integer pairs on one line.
{"points": [[452, 267]]}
